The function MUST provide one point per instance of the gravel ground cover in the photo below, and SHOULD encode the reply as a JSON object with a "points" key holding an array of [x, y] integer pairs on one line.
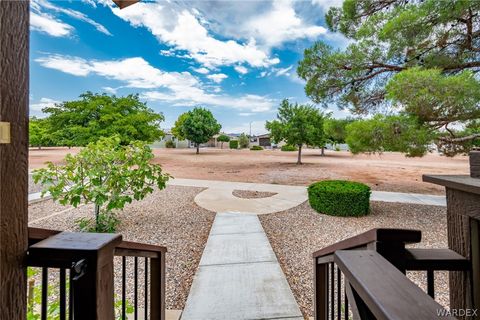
{"points": [[248, 194], [168, 218], [296, 233]]}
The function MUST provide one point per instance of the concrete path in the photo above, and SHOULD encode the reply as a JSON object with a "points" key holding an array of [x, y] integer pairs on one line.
{"points": [[239, 276], [219, 198]]}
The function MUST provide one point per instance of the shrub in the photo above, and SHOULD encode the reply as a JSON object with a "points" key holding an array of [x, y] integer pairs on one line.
{"points": [[337, 148], [340, 198], [288, 148], [256, 148], [243, 141], [169, 144], [233, 144]]}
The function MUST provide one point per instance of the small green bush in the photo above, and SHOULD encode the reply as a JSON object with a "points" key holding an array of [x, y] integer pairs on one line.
{"points": [[288, 148], [233, 144], [340, 198], [254, 148], [169, 144]]}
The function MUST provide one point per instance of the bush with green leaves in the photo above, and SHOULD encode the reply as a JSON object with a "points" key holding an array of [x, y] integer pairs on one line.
{"points": [[288, 147], [104, 173], [169, 144], [233, 144], [340, 198], [243, 141], [223, 138], [256, 148]]}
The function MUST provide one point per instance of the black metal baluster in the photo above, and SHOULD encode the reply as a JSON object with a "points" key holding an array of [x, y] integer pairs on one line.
{"points": [[44, 293], [146, 288], [135, 292], [70, 295], [332, 292], [63, 290], [346, 299], [327, 267], [339, 294], [124, 285], [431, 283]]}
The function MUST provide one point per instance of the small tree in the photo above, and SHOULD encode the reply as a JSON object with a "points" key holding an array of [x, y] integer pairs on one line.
{"points": [[177, 129], [106, 174], [243, 141], [199, 126], [223, 138], [297, 125], [39, 135]]}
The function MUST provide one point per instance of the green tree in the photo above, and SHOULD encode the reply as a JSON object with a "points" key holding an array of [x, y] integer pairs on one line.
{"points": [[104, 173], [388, 133], [223, 138], [298, 125], [396, 42], [243, 141], [335, 129], [80, 122], [177, 129], [199, 126], [39, 133]]}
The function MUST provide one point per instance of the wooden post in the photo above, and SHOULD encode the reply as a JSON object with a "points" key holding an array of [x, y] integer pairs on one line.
{"points": [[320, 287], [157, 287], [463, 213], [14, 50], [92, 284]]}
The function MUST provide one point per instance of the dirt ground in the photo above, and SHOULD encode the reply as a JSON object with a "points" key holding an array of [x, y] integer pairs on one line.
{"points": [[386, 172]]}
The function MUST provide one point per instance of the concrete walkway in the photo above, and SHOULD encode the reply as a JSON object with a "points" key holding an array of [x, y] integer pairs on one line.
{"points": [[239, 276], [219, 198]]}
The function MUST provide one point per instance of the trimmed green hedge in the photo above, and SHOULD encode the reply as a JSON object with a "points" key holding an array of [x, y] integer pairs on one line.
{"points": [[233, 144], [340, 198], [288, 148], [256, 148]]}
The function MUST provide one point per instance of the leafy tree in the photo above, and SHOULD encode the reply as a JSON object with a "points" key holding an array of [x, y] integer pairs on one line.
{"points": [[243, 141], [199, 126], [104, 173], [177, 129], [397, 43], [388, 133], [223, 138], [93, 116], [39, 133], [335, 129], [297, 125]]}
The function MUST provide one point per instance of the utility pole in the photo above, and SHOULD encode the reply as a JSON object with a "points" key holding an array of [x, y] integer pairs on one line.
{"points": [[250, 129]]}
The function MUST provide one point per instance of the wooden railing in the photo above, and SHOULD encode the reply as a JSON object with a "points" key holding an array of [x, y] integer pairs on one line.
{"points": [[89, 260], [364, 277]]}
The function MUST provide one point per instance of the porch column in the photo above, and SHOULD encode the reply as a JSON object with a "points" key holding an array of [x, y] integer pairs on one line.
{"points": [[14, 50]]}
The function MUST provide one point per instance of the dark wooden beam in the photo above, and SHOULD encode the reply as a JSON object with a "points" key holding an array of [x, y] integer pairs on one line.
{"points": [[14, 51], [125, 3]]}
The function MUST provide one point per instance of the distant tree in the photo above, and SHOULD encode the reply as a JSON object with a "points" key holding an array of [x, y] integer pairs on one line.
{"points": [[335, 129], [39, 133], [199, 126], [298, 125], [388, 133], [243, 141], [104, 173], [223, 138], [177, 129], [80, 122], [419, 57]]}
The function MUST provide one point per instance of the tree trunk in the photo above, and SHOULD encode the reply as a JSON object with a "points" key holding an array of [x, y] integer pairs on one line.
{"points": [[323, 151], [198, 148], [299, 159], [97, 216], [221, 145]]}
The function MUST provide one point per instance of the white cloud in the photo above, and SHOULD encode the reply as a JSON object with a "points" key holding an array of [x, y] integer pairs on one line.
{"points": [[184, 31], [241, 69], [43, 103], [217, 77], [47, 24], [110, 90], [176, 88], [245, 114], [327, 4], [284, 71], [44, 4], [201, 70]]}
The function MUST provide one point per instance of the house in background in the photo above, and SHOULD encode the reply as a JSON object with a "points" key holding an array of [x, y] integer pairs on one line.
{"points": [[180, 144]]}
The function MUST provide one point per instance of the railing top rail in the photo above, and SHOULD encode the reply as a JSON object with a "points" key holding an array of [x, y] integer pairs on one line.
{"points": [[386, 291], [126, 248], [373, 235]]}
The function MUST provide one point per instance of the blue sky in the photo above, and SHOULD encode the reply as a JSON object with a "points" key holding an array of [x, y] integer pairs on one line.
{"points": [[237, 58]]}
